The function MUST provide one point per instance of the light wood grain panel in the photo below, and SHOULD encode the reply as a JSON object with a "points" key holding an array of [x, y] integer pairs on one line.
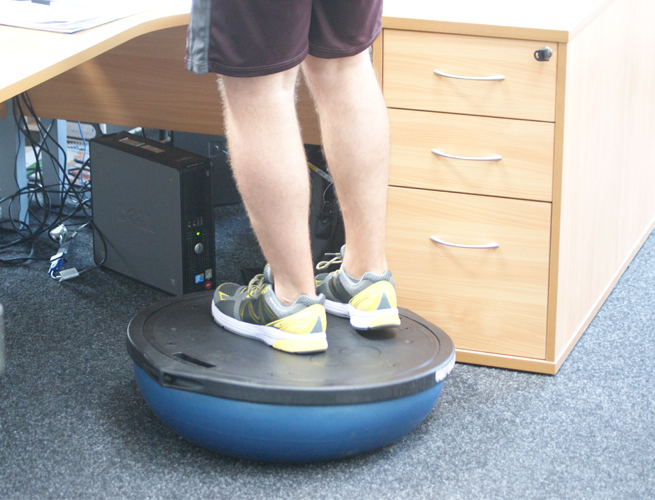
{"points": [[474, 29], [33, 56], [554, 21], [410, 57], [608, 206], [143, 82], [509, 362], [526, 148], [556, 215], [492, 301]]}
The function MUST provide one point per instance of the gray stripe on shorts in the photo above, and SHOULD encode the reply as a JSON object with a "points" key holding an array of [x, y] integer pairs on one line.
{"points": [[197, 56]]}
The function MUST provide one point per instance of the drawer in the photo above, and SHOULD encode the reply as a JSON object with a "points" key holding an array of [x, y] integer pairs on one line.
{"points": [[409, 81], [525, 149], [487, 300]]}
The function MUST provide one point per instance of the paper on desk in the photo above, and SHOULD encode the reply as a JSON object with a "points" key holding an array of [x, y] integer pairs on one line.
{"points": [[67, 16]]}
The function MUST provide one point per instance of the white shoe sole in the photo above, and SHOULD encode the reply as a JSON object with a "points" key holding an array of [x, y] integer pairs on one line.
{"points": [[290, 342], [364, 320]]}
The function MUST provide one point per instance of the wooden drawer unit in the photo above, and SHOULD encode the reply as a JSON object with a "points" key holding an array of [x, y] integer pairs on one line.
{"points": [[472, 165], [526, 90], [571, 201], [472, 154], [487, 299]]}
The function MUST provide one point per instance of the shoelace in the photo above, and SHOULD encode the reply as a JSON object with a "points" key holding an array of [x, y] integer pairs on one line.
{"points": [[337, 259], [256, 285]]}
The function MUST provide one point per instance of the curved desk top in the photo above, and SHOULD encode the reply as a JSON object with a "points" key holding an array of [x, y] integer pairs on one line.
{"points": [[31, 57], [552, 21]]}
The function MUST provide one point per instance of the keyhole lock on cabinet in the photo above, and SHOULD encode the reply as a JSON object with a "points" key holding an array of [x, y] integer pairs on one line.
{"points": [[543, 54]]}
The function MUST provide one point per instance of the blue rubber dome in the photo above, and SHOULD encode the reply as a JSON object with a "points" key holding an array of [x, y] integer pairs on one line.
{"points": [[239, 397]]}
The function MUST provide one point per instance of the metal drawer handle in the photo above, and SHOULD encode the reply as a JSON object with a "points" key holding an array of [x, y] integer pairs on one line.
{"points": [[494, 78], [475, 247], [470, 158]]}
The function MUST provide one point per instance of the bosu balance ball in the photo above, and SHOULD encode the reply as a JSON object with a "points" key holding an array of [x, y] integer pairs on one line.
{"points": [[240, 397]]}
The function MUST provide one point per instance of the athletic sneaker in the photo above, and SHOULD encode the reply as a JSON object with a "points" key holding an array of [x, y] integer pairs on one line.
{"points": [[370, 302], [255, 311]]}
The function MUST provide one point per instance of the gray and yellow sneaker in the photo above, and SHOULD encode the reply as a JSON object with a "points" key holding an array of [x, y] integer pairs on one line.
{"points": [[370, 302], [255, 311]]}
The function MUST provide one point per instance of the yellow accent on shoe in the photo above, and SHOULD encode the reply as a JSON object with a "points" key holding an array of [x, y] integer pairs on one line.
{"points": [[300, 346], [369, 299], [310, 320]]}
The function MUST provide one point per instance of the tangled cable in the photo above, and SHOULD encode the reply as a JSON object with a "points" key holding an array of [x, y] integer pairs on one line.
{"points": [[73, 199]]}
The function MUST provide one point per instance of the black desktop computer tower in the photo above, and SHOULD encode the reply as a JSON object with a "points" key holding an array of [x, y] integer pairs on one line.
{"points": [[153, 213]]}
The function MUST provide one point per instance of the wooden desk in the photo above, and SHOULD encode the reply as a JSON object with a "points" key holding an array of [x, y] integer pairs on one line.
{"points": [[31, 57]]}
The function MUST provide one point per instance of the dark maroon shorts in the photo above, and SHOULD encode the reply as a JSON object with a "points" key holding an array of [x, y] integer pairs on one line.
{"points": [[261, 37]]}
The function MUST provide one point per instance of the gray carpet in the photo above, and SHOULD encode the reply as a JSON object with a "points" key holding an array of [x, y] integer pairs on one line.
{"points": [[73, 424]]}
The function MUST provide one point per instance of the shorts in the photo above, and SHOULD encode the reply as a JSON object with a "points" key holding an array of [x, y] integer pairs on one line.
{"points": [[246, 38]]}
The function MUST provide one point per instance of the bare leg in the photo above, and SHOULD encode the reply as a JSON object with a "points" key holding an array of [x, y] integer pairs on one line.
{"points": [[270, 168], [355, 132]]}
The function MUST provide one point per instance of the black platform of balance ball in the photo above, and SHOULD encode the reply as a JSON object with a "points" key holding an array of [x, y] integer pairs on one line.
{"points": [[240, 397]]}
